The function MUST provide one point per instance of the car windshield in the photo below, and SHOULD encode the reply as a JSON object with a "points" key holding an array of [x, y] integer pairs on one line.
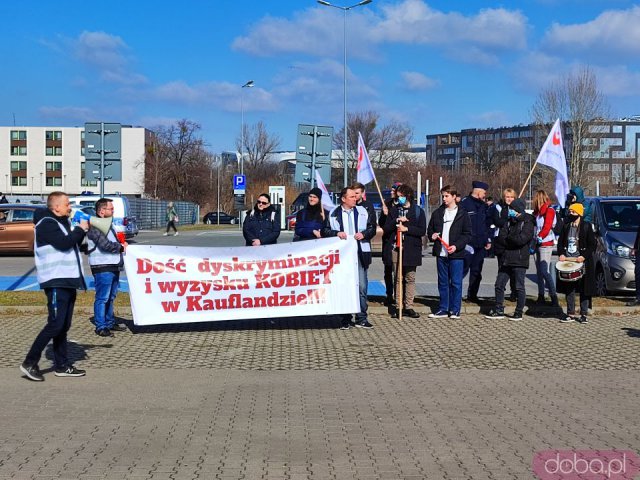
{"points": [[622, 216]]}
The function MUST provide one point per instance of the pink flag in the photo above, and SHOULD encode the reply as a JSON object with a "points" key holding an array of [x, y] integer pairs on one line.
{"points": [[326, 198], [552, 155], [365, 170]]}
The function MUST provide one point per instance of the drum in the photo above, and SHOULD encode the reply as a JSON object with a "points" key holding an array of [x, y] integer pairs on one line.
{"points": [[569, 271]]}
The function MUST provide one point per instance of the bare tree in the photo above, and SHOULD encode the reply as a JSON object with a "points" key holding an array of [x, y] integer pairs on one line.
{"points": [[577, 101], [257, 145], [178, 166], [387, 145]]}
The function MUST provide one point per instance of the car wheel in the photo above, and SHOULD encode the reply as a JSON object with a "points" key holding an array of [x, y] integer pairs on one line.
{"points": [[208, 221], [601, 282]]}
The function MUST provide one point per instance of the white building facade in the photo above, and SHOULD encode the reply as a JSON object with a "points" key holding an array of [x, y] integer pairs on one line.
{"points": [[35, 161]]}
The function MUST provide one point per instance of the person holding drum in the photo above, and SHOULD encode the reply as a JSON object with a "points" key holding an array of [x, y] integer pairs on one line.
{"points": [[575, 269]]}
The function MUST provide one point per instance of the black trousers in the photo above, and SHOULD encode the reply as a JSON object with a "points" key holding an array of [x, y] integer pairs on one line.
{"points": [[60, 303]]}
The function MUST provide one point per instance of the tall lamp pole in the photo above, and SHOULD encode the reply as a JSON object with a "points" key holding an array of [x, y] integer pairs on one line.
{"points": [[249, 84], [344, 10]]}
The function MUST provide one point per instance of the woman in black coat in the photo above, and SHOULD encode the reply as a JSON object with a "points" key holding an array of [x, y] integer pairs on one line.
{"points": [[580, 249], [262, 224], [410, 219]]}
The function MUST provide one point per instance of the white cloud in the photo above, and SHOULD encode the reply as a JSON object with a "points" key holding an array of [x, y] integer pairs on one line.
{"points": [[223, 95], [315, 31], [489, 119], [618, 81], [613, 32], [415, 81], [64, 115]]}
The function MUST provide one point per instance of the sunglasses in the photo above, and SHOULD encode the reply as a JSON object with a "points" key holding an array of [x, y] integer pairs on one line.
{"points": [[260, 202]]}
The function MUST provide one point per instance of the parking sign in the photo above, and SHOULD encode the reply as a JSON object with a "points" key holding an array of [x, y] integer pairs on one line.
{"points": [[239, 184]]}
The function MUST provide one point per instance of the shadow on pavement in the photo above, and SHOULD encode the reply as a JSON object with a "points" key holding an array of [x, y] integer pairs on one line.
{"points": [[287, 323], [75, 351], [632, 332]]}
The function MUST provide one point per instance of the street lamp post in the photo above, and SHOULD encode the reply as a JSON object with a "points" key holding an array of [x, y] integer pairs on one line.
{"points": [[249, 84], [344, 11]]}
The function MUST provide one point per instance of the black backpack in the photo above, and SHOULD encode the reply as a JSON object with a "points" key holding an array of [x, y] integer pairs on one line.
{"points": [[557, 228]]}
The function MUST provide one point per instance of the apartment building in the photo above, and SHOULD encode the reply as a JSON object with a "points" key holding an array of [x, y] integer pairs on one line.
{"points": [[35, 161]]}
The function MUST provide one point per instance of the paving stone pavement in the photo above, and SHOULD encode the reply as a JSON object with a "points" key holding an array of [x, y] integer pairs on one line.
{"points": [[300, 399]]}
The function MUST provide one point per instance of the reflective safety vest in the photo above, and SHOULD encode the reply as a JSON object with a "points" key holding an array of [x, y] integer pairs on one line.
{"points": [[52, 263], [98, 257]]}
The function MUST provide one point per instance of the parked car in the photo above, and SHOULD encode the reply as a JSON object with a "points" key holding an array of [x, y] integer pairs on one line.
{"points": [[211, 218], [16, 227], [123, 219], [615, 223]]}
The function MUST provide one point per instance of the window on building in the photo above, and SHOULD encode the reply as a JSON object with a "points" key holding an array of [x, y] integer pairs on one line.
{"points": [[54, 166], [54, 181], [18, 151], [18, 134], [53, 151], [53, 135], [19, 174], [18, 166]]}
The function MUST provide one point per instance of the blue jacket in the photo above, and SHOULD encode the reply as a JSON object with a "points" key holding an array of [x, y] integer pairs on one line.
{"points": [[480, 221], [263, 226], [306, 225]]}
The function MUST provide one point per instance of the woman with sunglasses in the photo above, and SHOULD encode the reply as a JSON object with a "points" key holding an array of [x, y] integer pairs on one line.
{"points": [[262, 224], [311, 219]]}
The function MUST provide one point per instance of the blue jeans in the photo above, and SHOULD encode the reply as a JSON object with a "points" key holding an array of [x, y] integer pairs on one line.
{"points": [[364, 288], [106, 291], [60, 303], [543, 272], [450, 284]]}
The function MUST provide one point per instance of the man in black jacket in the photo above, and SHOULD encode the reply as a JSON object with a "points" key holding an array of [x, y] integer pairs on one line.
{"points": [[480, 242], [516, 237], [57, 259], [387, 246], [450, 230]]}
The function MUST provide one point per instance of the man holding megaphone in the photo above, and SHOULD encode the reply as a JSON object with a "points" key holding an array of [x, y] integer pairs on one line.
{"points": [[106, 262]]}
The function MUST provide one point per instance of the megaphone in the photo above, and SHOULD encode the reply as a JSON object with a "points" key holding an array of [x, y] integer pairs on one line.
{"points": [[102, 224]]}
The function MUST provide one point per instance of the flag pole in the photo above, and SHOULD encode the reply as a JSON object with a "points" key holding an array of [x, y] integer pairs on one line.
{"points": [[528, 178]]}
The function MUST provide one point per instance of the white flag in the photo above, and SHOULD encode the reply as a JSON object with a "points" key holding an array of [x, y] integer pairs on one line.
{"points": [[365, 170], [552, 155], [326, 198]]}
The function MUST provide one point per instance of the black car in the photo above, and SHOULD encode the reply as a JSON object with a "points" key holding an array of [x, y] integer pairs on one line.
{"points": [[211, 218]]}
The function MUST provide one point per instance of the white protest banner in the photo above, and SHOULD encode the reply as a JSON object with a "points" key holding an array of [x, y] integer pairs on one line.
{"points": [[170, 284]]}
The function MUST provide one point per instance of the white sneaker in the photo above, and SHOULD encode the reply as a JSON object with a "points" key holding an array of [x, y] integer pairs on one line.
{"points": [[165, 234], [176, 234]]}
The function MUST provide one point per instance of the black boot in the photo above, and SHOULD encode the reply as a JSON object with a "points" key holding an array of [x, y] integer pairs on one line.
{"points": [[540, 300]]}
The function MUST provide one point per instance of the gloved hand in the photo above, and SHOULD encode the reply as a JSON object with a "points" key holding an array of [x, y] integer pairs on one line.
{"points": [[512, 213], [538, 240]]}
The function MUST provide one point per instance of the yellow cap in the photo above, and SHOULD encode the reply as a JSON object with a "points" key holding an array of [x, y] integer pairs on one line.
{"points": [[577, 208]]}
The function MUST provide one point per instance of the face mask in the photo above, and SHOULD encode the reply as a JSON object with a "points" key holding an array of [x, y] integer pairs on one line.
{"points": [[512, 213], [402, 200], [573, 218]]}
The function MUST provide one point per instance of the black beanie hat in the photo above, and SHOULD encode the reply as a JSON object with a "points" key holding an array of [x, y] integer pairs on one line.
{"points": [[316, 191]]}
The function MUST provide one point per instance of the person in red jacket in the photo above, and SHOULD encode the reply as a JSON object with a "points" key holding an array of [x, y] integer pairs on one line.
{"points": [[545, 217]]}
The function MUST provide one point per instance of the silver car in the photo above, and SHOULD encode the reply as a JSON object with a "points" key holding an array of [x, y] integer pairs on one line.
{"points": [[615, 222]]}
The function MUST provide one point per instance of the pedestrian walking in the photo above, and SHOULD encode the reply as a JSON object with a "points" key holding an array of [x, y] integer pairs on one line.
{"points": [[106, 262], [262, 225], [171, 218], [408, 218], [59, 269], [545, 217], [577, 243], [516, 237], [450, 230]]}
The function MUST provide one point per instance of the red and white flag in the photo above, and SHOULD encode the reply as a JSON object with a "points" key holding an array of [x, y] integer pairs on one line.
{"points": [[365, 170], [552, 155], [326, 198]]}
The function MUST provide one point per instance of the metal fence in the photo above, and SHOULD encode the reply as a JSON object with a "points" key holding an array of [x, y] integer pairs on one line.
{"points": [[152, 213]]}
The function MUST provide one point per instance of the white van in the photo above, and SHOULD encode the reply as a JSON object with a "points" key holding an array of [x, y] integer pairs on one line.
{"points": [[123, 219]]}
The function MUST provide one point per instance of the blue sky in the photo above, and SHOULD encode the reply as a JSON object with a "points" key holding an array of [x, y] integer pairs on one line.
{"points": [[438, 65]]}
